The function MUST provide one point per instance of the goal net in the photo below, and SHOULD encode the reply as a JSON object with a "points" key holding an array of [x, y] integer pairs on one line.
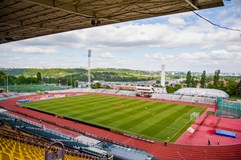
{"points": [[194, 116]]}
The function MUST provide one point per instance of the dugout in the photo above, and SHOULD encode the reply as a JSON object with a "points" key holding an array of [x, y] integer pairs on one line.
{"points": [[24, 101]]}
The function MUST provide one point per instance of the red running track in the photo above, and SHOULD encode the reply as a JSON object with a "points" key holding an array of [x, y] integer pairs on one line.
{"points": [[171, 151]]}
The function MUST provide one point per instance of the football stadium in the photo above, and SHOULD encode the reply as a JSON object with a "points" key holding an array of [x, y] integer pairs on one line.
{"points": [[110, 124], [115, 124]]}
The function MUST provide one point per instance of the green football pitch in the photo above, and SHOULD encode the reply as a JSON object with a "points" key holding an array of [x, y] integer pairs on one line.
{"points": [[143, 118]]}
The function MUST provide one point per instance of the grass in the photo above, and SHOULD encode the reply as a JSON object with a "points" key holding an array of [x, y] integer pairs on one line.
{"points": [[30, 88], [143, 118], [234, 98]]}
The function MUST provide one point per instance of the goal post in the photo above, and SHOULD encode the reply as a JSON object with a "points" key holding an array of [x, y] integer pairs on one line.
{"points": [[194, 116]]}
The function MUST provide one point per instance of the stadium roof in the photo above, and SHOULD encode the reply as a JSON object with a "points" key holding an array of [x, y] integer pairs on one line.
{"points": [[202, 92], [22, 19]]}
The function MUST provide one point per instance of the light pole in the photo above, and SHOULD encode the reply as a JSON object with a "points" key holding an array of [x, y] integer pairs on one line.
{"points": [[7, 83], [48, 82], [31, 79], [89, 55], [59, 85], [71, 81]]}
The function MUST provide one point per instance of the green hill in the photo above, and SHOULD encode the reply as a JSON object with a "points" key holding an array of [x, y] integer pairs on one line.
{"points": [[107, 74], [52, 72]]}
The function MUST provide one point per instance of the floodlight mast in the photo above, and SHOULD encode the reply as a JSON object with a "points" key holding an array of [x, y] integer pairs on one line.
{"points": [[7, 83], [89, 80], [163, 79]]}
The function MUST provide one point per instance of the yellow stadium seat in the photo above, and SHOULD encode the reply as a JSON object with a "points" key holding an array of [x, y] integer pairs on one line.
{"points": [[15, 150], [7, 151], [27, 158], [5, 156], [16, 154]]}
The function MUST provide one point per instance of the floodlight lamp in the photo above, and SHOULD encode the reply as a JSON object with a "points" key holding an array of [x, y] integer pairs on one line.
{"points": [[8, 39], [98, 22], [93, 22]]}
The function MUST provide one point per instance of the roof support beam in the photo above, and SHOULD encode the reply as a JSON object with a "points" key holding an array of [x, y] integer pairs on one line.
{"points": [[68, 7], [65, 7], [21, 19], [191, 4]]}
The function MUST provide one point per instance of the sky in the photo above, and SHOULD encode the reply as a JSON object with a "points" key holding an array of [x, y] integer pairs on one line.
{"points": [[182, 42]]}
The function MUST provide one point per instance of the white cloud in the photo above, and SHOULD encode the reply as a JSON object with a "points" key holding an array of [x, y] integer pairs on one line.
{"points": [[130, 35], [234, 48], [236, 2], [2, 53], [176, 21], [208, 60], [107, 56], [33, 49], [183, 41]]}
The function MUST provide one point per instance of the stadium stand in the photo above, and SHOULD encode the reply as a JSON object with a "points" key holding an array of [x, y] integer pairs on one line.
{"points": [[39, 131], [16, 145], [48, 134], [86, 147], [173, 151], [187, 98], [191, 98], [128, 153], [8, 95], [116, 150], [202, 92], [205, 100]]}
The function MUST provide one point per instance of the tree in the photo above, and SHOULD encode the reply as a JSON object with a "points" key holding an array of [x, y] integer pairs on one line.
{"points": [[210, 85], [189, 79], [39, 78], [158, 81], [231, 87], [177, 87], [170, 89], [96, 85], [21, 80], [222, 86], [216, 78], [2, 73], [238, 89], [193, 84], [203, 79], [2, 78]]}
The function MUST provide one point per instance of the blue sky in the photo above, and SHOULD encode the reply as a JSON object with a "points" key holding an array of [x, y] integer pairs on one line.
{"points": [[182, 42]]}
